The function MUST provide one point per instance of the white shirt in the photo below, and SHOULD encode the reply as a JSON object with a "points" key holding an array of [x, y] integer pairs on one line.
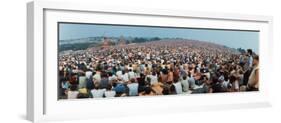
{"points": [[88, 74], [225, 84], [154, 79], [191, 82], [109, 93], [185, 85], [250, 61], [97, 77], [112, 78], [125, 77], [132, 75], [98, 93], [178, 87], [119, 73], [72, 94], [133, 89]]}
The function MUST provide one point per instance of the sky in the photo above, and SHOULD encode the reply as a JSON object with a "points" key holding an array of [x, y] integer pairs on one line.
{"points": [[231, 38]]}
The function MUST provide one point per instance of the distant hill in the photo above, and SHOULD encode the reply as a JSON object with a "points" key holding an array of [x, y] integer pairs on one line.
{"points": [[85, 43]]}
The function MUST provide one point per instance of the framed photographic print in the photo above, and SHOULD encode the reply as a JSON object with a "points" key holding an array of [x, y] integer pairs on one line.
{"points": [[83, 60]]}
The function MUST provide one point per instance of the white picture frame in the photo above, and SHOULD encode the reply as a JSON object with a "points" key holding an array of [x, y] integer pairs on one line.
{"points": [[41, 49]]}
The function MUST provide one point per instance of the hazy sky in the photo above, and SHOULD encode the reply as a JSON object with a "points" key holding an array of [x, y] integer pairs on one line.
{"points": [[230, 38]]}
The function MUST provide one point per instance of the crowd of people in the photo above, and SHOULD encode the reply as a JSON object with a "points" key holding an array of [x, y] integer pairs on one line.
{"points": [[156, 68]]}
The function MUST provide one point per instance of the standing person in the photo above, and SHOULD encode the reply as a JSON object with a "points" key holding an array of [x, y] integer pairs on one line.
{"points": [[248, 66], [253, 82], [250, 60]]}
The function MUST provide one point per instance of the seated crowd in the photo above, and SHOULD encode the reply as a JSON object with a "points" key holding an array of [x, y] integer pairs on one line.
{"points": [[156, 68]]}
